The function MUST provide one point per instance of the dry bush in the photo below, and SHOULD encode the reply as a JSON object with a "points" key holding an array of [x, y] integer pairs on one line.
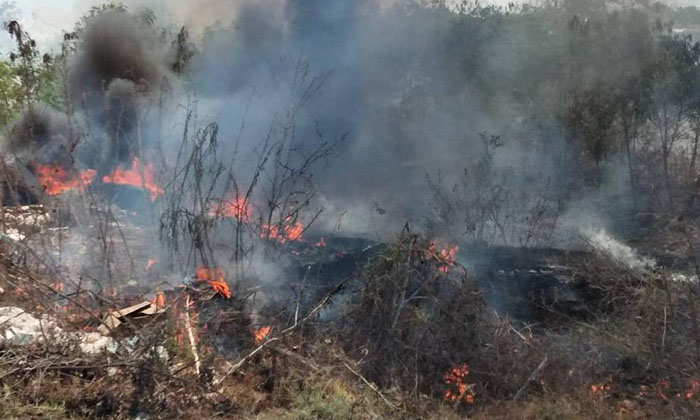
{"points": [[411, 321]]}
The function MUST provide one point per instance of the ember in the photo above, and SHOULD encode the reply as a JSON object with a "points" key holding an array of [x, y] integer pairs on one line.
{"points": [[56, 180], [458, 388], [260, 334], [137, 176], [214, 278]]}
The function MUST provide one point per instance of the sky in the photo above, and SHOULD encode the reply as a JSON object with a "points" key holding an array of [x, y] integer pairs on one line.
{"points": [[46, 20]]}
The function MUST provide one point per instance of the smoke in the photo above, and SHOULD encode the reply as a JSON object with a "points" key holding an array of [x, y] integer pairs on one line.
{"points": [[373, 91], [618, 251], [384, 72], [40, 133], [118, 66]]}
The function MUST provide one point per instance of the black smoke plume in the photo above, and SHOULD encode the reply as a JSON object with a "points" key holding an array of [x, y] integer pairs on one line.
{"points": [[117, 66]]}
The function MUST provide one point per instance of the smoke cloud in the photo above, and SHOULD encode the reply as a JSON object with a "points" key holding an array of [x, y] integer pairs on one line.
{"points": [[118, 65], [40, 133], [382, 74]]}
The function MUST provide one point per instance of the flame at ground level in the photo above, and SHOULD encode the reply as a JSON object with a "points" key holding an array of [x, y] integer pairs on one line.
{"points": [[159, 301], [237, 208], [446, 256], [214, 277], [136, 176], [284, 233], [458, 388], [56, 180], [260, 334], [240, 209]]}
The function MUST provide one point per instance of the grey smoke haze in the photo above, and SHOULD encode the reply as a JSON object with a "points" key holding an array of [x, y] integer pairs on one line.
{"points": [[380, 62], [381, 78], [385, 74]]}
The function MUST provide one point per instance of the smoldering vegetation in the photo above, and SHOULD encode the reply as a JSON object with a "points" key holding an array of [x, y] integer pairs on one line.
{"points": [[332, 209]]}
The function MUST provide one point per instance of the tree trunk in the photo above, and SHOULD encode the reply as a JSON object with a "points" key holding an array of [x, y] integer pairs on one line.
{"points": [[694, 155], [628, 150]]}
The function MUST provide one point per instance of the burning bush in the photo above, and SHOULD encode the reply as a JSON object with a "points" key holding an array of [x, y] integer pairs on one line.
{"points": [[412, 321]]}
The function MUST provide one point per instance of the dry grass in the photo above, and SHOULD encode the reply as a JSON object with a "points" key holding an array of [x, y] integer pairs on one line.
{"points": [[385, 358]]}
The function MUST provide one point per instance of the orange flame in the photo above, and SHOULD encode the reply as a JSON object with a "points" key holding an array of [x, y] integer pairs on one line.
{"points": [[446, 257], [56, 180], [284, 233], [159, 301], [597, 389], [322, 242], [459, 389], [260, 334], [215, 279], [601, 389], [661, 385], [151, 262], [694, 388], [237, 208], [137, 176]]}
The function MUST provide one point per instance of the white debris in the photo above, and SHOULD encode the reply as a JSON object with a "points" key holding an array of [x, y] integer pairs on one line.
{"points": [[18, 327], [92, 342], [14, 234], [684, 278]]}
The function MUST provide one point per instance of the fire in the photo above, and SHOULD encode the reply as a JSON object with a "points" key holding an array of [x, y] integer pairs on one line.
{"points": [[446, 257], [694, 388], [458, 388], [601, 389], [137, 176], [260, 334], [284, 233], [215, 279], [159, 301], [643, 390], [661, 385], [151, 262], [56, 180], [237, 208], [322, 242]]}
